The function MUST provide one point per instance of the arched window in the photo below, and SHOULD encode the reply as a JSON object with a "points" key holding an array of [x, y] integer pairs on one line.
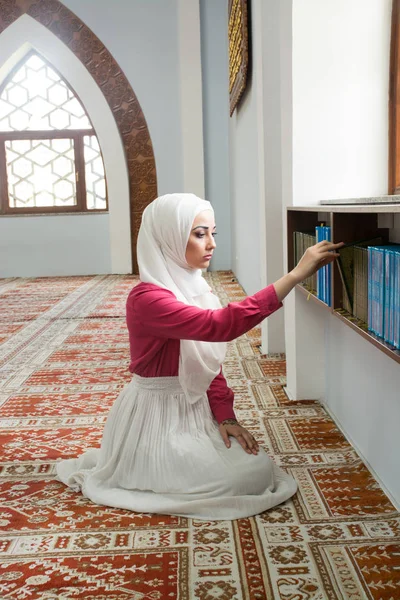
{"points": [[50, 159]]}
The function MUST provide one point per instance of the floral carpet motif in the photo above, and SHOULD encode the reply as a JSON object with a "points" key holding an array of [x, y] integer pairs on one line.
{"points": [[63, 360]]}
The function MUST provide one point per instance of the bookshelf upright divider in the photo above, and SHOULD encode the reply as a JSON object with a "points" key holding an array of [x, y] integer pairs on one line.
{"points": [[349, 224]]}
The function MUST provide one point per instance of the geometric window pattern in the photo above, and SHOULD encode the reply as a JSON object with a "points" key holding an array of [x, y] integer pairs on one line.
{"points": [[41, 173], [96, 194], [37, 99], [52, 156]]}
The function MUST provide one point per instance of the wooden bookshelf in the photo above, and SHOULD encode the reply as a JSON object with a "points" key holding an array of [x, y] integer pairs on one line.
{"points": [[349, 223], [362, 329]]}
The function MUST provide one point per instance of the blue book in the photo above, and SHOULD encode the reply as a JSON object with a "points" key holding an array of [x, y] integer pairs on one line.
{"points": [[387, 297], [394, 293], [369, 298], [324, 234], [376, 289], [320, 279], [324, 274], [328, 272], [392, 298], [394, 325], [381, 290], [373, 283], [396, 307]]}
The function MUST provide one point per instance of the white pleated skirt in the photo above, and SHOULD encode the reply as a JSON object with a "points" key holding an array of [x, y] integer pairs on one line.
{"points": [[160, 454]]}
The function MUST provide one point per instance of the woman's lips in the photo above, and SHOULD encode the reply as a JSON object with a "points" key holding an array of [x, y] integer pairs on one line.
{"points": [[207, 257]]}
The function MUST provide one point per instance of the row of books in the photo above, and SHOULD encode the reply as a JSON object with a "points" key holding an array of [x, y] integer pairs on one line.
{"points": [[353, 268], [384, 292], [370, 274]]}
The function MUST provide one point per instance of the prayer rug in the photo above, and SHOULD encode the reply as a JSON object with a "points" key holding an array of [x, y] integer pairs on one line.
{"points": [[63, 360]]}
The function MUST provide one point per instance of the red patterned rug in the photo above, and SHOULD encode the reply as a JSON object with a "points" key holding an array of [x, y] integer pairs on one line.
{"points": [[63, 360]]}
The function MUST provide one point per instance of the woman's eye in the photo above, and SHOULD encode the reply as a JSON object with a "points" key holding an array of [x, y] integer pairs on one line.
{"points": [[201, 235]]}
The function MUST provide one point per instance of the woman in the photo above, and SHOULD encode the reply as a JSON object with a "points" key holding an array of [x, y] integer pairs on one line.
{"points": [[171, 443]]}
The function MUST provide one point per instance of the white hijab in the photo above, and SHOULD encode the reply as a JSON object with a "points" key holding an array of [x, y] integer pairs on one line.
{"points": [[161, 248]]}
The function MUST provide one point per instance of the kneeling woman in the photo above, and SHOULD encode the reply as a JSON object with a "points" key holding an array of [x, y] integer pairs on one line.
{"points": [[171, 443]]}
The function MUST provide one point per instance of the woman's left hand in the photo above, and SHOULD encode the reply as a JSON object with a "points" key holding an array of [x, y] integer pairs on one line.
{"points": [[244, 437]]}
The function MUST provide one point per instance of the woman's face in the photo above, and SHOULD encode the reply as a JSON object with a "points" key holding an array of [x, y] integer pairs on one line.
{"points": [[201, 243]]}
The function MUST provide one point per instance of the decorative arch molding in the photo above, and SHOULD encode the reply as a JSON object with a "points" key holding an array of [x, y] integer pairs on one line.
{"points": [[117, 91]]}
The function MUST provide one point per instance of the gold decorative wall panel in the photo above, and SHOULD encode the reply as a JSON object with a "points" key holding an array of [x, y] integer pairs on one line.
{"points": [[238, 51]]}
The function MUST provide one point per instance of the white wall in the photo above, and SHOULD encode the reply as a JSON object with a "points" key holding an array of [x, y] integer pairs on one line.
{"points": [[340, 122], [268, 13], [214, 55], [157, 45], [55, 245], [143, 37], [247, 170], [245, 191], [191, 99], [340, 99], [362, 393]]}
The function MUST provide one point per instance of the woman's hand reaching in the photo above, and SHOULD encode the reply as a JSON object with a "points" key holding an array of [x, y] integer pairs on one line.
{"points": [[230, 427], [314, 258]]}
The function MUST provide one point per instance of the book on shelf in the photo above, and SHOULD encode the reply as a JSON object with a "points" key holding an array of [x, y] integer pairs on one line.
{"points": [[387, 297], [360, 287], [396, 301], [347, 272], [324, 279], [391, 296], [383, 292], [376, 266], [302, 241]]}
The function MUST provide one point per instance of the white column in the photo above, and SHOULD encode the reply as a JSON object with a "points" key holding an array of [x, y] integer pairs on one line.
{"points": [[305, 324], [304, 320], [273, 328], [265, 89], [191, 96]]}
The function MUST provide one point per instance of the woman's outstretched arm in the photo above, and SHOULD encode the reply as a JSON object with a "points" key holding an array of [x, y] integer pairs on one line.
{"points": [[155, 311]]}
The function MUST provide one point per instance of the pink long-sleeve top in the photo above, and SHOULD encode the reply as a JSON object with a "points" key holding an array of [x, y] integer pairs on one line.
{"points": [[157, 321]]}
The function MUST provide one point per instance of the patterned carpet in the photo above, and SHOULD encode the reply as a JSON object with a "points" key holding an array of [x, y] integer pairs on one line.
{"points": [[63, 360]]}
